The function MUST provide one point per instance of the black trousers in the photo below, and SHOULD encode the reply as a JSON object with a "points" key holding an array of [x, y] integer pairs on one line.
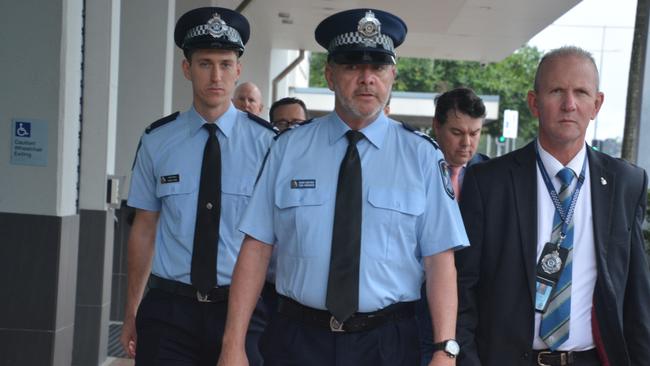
{"points": [[178, 330], [291, 343], [269, 300]]}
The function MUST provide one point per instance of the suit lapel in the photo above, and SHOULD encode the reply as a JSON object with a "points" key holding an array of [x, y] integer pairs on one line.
{"points": [[523, 175], [603, 182]]}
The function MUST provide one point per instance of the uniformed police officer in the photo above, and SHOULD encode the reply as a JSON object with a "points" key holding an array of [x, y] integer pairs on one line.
{"points": [[189, 190], [357, 183]]}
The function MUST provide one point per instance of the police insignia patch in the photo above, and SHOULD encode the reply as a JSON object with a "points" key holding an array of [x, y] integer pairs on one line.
{"points": [[216, 26], [369, 26], [445, 175]]}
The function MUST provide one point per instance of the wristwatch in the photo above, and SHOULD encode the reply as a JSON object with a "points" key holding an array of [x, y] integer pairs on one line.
{"points": [[450, 346]]}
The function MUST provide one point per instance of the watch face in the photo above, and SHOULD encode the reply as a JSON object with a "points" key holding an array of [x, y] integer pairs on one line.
{"points": [[452, 348]]}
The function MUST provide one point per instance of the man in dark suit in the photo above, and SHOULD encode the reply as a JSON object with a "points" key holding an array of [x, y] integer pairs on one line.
{"points": [[457, 123], [545, 282]]}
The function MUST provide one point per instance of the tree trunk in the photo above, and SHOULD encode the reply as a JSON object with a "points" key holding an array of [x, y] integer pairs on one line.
{"points": [[635, 83]]}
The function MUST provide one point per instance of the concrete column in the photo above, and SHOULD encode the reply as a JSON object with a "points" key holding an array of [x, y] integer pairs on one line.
{"points": [[145, 76], [41, 72], [262, 62], [101, 61], [256, 61]]}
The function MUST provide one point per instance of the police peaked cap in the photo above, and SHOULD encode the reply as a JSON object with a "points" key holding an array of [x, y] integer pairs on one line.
{"points": [[212, 27], [361, 36]]}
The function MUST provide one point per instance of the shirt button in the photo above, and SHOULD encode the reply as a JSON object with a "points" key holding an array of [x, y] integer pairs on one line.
{"points": [[525, 355], [208, 206]]}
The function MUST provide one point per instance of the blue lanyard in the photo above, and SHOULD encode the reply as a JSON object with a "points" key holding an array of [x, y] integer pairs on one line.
{"points": [[565, 216]]}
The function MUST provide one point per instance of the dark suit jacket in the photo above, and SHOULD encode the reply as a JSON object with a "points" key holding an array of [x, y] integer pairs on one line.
{"points": [[496, 275], [477, 158]]}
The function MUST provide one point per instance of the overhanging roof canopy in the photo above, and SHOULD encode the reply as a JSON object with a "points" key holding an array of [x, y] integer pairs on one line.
{"points": [[477, 30]]}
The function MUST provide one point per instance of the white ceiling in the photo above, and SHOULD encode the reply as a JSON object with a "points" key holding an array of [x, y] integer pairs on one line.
{"points": [[478, 30]]}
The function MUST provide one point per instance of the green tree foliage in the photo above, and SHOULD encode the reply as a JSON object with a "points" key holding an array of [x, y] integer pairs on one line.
{"points": [[317, 62], [510, 79]]}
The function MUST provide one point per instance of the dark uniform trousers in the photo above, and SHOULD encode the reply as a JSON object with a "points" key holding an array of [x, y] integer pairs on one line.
{"points": [[178, 330], [269, 300], [289, 342]]}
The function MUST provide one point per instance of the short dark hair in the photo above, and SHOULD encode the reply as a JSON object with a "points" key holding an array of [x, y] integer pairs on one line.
{"points": [[462, 100], [285, 101], [565, 51]]}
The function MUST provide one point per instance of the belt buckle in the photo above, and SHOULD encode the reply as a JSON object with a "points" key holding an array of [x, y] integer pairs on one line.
{"points": [[539, 358], [202, 297], [335, 325]]}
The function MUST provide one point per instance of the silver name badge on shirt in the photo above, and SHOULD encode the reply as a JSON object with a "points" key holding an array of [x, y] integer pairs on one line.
{"points": [[174, 178], [303, 183]]}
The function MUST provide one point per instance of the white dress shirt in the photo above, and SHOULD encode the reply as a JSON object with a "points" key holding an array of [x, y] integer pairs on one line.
{"points": [[584, 257]]}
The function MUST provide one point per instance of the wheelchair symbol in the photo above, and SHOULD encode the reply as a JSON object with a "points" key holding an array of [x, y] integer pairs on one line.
{"points": [[23, 129]]}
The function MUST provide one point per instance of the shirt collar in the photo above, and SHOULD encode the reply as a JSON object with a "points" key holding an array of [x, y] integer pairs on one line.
{"points": [[225, 123], [553, 166], [375, 132]]}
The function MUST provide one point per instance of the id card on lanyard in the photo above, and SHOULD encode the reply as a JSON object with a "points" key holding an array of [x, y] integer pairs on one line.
{"points": [[554, 255]]}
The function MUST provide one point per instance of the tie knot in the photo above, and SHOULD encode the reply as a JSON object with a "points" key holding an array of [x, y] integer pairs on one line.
{"points": [[566, 176], [211, 127], [354, 136]]}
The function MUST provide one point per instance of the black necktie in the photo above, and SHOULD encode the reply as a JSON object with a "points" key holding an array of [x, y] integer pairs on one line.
{"points": [[208, 211], [343, 282]]}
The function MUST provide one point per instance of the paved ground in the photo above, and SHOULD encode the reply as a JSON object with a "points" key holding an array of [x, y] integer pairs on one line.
{"points": [[112, 361]]}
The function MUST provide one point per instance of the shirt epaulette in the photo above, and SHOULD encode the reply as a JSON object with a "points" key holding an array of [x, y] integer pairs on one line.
{"points": [[294, 126], [262, 122], [161, 122], [421, 134]]}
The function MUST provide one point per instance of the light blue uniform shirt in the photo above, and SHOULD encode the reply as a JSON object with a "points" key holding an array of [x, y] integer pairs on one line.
{"points": [[176, 149], [406, 212]]}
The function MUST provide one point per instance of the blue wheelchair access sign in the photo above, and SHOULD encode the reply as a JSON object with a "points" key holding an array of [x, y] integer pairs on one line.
{"points": [[23, 129], [29, 142]]}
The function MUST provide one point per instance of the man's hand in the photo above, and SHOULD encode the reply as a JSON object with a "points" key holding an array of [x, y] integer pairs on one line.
{"points": [[129, 338], [440, 358]]}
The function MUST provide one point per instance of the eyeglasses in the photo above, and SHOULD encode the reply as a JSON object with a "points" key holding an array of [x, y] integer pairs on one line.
{"points": [[283, 124]]}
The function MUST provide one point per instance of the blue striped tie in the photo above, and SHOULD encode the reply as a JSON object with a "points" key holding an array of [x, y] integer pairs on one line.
{"points": [[554, 328]]}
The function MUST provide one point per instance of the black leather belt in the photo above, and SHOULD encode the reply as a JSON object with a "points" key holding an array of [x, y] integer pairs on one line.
{"points": [[217, 294], [356, 323], [564, 358]]}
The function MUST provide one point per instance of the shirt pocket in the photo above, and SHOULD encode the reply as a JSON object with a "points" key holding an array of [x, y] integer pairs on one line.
{"points": [[178, 201], [297, 220], [236, 193], [391, 222]]}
